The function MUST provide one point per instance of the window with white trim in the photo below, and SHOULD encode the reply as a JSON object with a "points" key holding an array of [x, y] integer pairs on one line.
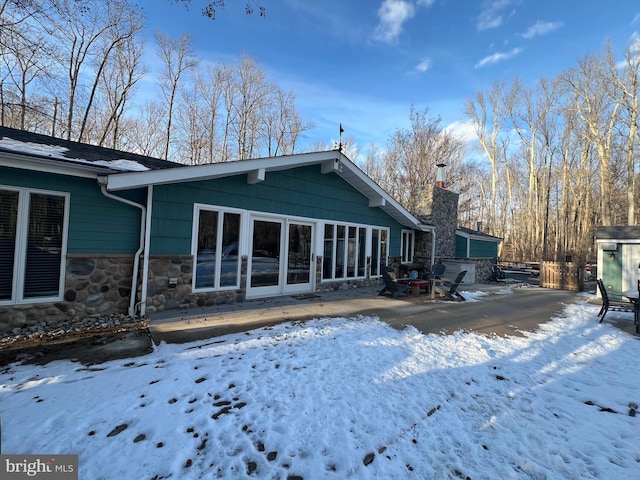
{"points": [[216, 252], [345, 251], [33, 239], [408, 245], [379, 250]]}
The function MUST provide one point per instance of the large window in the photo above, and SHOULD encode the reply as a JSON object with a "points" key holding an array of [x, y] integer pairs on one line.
{"points": [[408, 245], [33, 233], [216, 252], [345, 251], [379, 250]]}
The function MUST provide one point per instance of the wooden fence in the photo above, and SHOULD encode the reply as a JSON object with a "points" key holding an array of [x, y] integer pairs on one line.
{"points": [[562, 276]]}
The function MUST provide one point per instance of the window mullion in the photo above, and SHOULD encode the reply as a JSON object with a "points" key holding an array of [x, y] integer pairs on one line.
{"points": [[219, 248], [22, 234]]}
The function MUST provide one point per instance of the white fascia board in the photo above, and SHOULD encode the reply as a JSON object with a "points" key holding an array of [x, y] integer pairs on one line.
{"points": [[27, 162], [482, 238], [188, 173], [378, 192], [618, 240]]}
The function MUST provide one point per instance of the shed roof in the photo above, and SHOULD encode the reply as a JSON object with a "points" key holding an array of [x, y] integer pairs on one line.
{"points": [[618, 232], [477, 235]]}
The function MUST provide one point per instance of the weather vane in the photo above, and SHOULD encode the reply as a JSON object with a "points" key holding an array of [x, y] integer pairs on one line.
{"points": [[340, 142]]}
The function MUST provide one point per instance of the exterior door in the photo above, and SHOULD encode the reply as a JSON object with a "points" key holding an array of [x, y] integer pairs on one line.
{"points": [[630, 266], [299, 257], [281, 257]]}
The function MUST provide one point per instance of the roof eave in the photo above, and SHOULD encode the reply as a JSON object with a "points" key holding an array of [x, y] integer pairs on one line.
{"points": [[44, 164]]}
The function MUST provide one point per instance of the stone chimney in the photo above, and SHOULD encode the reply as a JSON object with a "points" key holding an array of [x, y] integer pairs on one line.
{"points": [[438, 206]]}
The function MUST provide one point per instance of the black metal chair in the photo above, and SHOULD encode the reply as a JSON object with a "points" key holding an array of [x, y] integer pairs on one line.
{"points": [[391, 286], [452, 293], [613, 305]]}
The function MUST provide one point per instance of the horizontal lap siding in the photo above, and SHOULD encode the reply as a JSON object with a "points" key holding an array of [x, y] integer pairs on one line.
{"points": [[301, 192], [480, 249], [96, 224]]}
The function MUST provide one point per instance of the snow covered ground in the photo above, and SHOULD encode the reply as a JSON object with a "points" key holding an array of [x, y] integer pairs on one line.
{"points": [[347, 398]]}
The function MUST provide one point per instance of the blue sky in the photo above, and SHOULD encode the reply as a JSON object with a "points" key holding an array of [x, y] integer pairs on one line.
{"points": [[363, 63]]}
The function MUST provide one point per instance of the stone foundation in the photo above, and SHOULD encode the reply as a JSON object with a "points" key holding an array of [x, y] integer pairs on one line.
{"points": [[94, 287], [169, 286]]}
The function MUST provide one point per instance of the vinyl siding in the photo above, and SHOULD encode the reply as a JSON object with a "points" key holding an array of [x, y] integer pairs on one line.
{"points": [[301, 192], [96, 224]]}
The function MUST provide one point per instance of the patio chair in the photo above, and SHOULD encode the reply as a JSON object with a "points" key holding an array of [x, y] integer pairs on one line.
{"points": [[497, 273], [608, 304], [452, 293], [391, 286], [437, 270]]}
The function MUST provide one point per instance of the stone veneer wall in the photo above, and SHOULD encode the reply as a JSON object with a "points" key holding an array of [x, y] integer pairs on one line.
{"points": [[439, 207], [94, 286], [163, 295], [326, 285], [483, 269]]}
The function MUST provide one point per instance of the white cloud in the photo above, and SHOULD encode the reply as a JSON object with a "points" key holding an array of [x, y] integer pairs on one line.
{"points": [[635, 19], [393, 14], [464, 130], [541, 28], [498, 57], [424, 65], [492, 14]]}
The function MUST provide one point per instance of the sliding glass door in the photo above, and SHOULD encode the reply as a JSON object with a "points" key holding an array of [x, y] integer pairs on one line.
{"points": [[281, 257]]}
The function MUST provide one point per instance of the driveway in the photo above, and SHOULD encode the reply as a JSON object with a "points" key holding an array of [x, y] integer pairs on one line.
{"points": [[501, 311], [498, 312]]}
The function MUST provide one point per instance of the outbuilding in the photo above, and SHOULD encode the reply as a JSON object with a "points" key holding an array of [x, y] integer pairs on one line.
{"points": [[618, 249]]}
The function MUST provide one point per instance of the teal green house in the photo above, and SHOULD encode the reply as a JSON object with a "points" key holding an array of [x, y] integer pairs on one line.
{"points": [[476, 244], [88, 231]]}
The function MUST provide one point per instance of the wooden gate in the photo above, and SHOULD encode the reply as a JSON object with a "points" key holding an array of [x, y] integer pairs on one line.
{"points": [[562, 276]]}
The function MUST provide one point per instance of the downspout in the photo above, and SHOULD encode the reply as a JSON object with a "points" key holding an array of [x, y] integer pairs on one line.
{"points": [[136, 259], [145, 264], [432, 231], [433, 245]]}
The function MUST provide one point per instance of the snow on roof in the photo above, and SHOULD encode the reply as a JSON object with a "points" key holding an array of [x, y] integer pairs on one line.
{"points": [[57, 151], [123, 164], [33, 148]]}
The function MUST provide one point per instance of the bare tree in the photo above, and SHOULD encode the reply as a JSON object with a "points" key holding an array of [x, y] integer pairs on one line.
{"points": [[597, 106], [209, 86], [145, 134], [24, 64], [210, 7], [416, 151], [119, 80], [124, 21], [488, 115], [177, 60], [627, 83]]}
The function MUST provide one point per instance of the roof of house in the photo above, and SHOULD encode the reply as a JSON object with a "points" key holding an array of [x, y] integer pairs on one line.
{"points": [[477, 235], [120, 170], [73, 156]]}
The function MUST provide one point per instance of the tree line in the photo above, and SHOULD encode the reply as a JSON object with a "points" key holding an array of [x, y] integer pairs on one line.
{"points": [[73, 69], [555, 159]]}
